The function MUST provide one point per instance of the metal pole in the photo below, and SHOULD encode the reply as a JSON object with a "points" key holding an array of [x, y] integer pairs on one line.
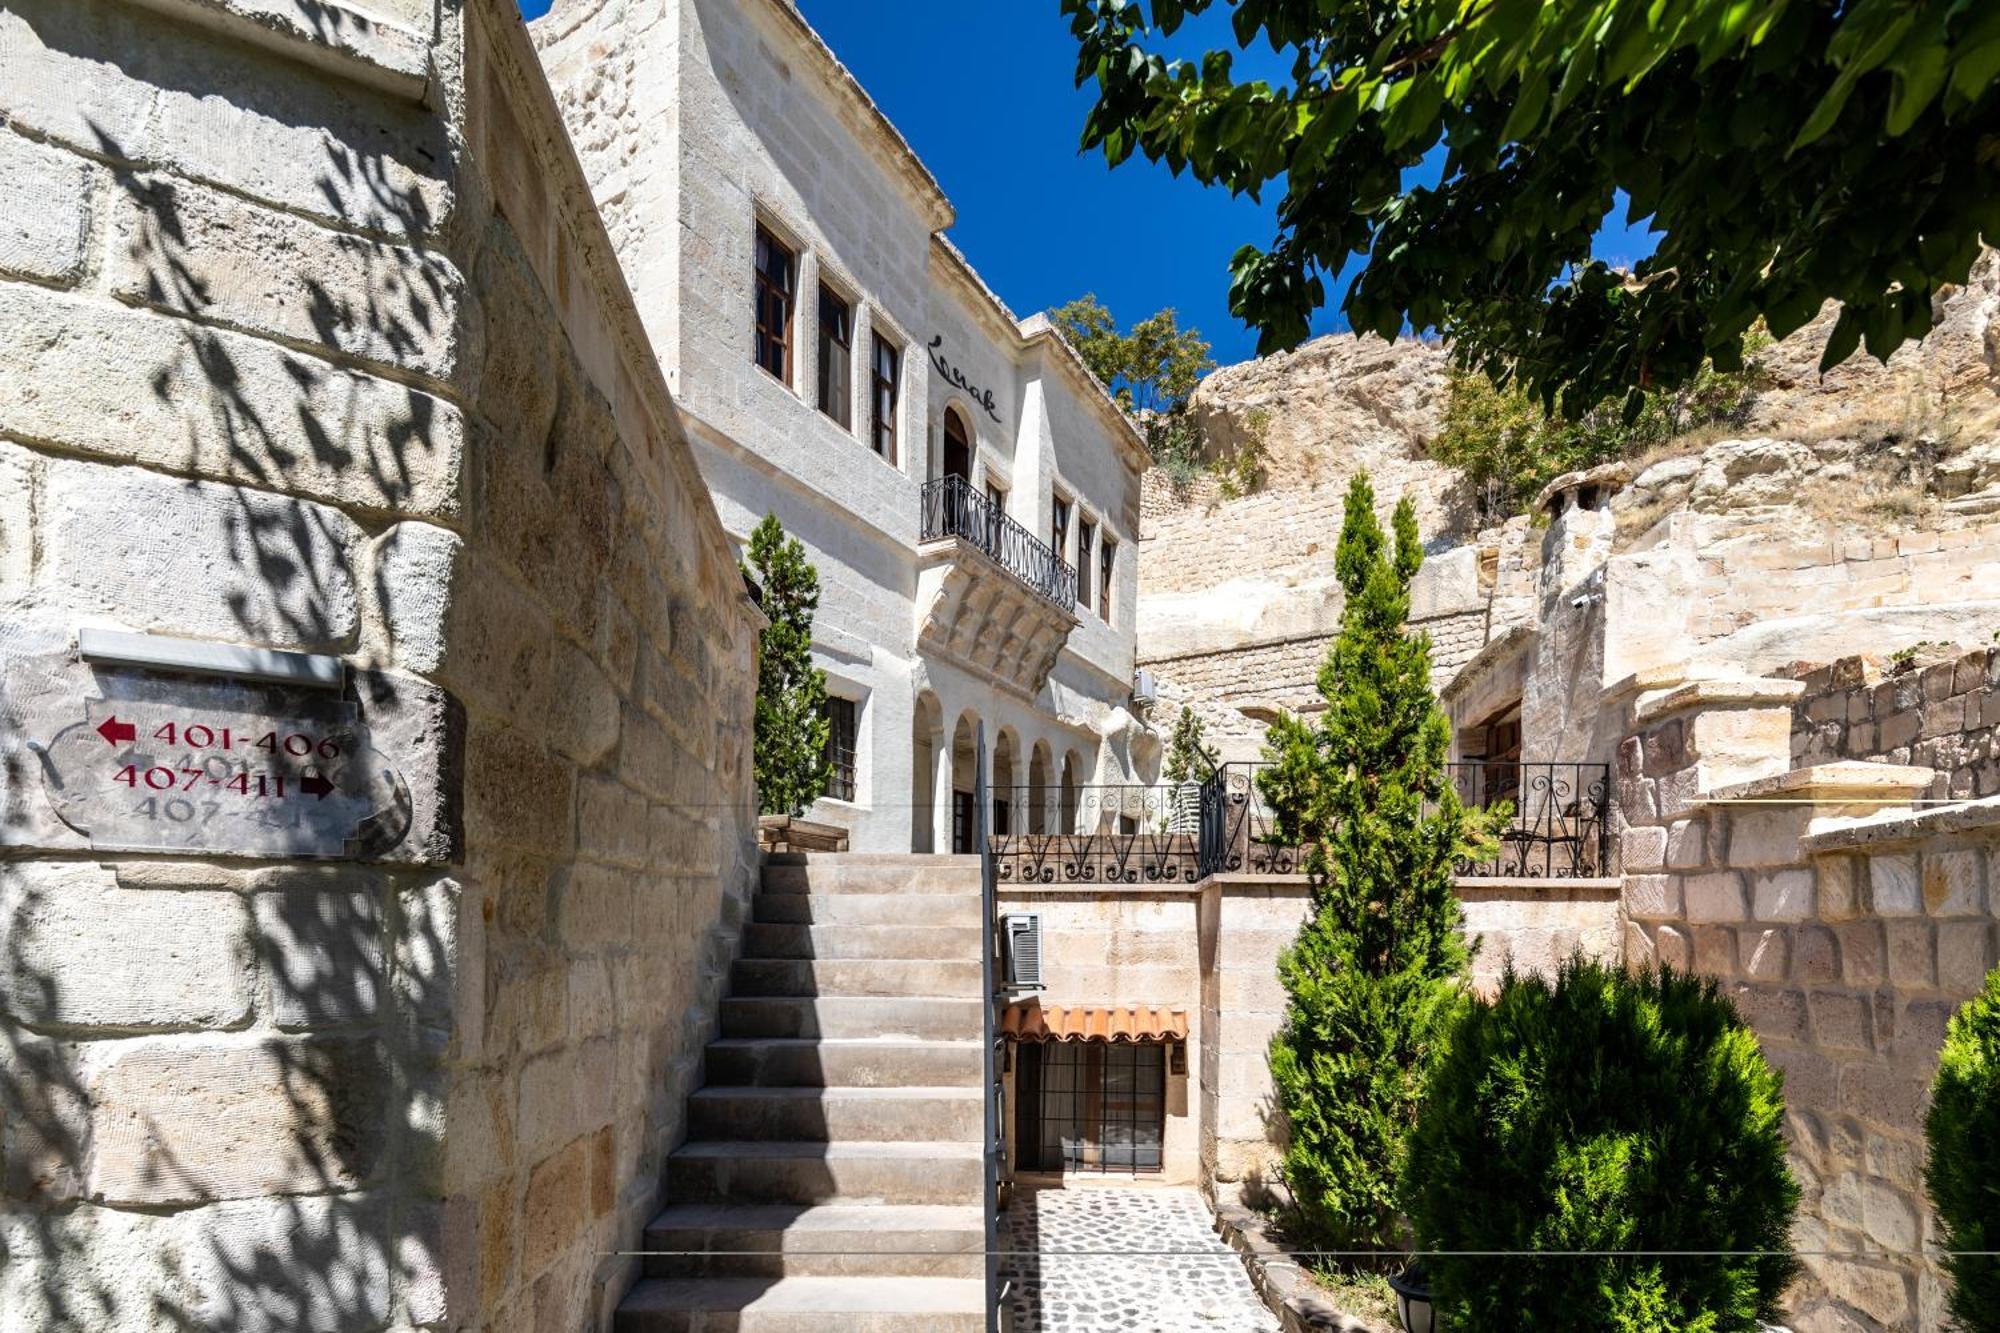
{"points": [[989, 985]]}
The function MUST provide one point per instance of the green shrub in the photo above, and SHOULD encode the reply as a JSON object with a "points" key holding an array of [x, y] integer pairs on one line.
{"points": [[1963, 1175], [1606, 1111]]}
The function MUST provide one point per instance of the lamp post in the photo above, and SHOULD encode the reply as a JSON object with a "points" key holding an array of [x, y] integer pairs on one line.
{"points": [[1413, 1300]]}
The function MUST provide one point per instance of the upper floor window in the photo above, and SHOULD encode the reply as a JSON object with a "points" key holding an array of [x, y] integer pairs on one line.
{"points": [[777, 280], [886, 380], [957, 447], [836, 357], [1059, 527], [1086, 537], [1107, 553]]}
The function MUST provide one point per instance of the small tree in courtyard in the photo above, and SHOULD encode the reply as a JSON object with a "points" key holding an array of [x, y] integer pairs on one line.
{"points": [[1189, 756], [1380, 963], [790, 746]]}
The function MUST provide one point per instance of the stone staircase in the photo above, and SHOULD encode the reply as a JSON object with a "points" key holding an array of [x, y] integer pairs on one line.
{"points": [[831, 1176]]}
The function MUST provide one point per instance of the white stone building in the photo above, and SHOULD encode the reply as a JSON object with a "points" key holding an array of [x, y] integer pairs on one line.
{"points": [[967, 491]]}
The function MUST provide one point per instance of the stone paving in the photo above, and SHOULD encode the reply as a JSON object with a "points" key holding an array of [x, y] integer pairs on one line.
{"points": [[1137, 1260]]}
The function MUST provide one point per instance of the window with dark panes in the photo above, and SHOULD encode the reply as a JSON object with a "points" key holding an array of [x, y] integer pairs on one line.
{"points": [[1090, 1105], [885, 381], [836, 357], [840, 748], [777, 276], [1059, 528], [1107, 554], [1086, 538]]}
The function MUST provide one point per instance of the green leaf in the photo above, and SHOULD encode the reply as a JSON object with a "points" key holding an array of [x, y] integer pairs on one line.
{"points": [[1917, 81], [1840, 343], [1528, 104]]}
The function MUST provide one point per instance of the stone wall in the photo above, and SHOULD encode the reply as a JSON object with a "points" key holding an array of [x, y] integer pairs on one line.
{"points": [[1845, 928], [1940, 716], [316, 344]]}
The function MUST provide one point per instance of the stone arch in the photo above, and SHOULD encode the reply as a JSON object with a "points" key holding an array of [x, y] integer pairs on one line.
{"points": [[927, 742], [1041, 816], [1005, 781], [964, 769]]}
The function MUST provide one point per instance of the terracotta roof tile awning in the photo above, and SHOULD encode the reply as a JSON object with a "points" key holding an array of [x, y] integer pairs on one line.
{"points": [[1036, 1022]]}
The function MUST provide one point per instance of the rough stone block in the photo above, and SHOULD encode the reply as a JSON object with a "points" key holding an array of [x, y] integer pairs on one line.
{"points": [[1782, 895], [597, 907], [318, 1264], [1912, 953], [1714, 896], [209, 560], [1951, 883], [1880, 1292], [1837, 894], [420, 728], [1714, 950], [1842, 1021], [1863, 955], [1816, 955], [417, 571], [175, 1121], [1765, 837], [1675, 949], [1687, 844], [45, 201], [139, 387], [111, 80], [1653, 897], [321, 947], [188, 250], [516, 793], [556, 1206], [1893, 886], [1765, 953], [1776, 1015], [82, 952], [1884, 1095], [1964, 954], [1642, 849]]}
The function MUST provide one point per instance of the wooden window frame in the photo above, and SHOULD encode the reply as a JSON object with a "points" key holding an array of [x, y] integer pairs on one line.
{"points": [[842, 752], [1086, 538], [1061, 510], [836, 390], [768, 292], [1107, 565], [884, 390]]}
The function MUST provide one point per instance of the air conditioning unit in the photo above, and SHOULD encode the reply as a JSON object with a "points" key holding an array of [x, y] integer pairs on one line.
{"points": [[1144, 692], [1022, 932]]}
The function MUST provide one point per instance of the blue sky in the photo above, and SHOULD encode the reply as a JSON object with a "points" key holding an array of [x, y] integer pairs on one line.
{"points": [[984, 92]]}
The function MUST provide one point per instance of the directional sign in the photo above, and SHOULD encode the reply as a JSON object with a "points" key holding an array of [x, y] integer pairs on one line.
{"points": [[160, 764]]}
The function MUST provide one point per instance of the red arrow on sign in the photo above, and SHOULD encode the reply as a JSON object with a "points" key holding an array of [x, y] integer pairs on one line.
{"points": [[315, 786], [115, 731]]}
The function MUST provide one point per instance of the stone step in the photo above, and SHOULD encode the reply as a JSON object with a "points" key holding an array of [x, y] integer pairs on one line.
{"points": [[852, 1016], [823, 1240], [805, 1305], [775, 1171], [867, 909], [819, 1114], [771, 940], [855, 1062], [848, 872], [854, 976]]}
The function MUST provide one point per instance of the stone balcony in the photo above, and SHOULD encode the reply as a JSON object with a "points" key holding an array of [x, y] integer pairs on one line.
{"points": [[990, 595]]}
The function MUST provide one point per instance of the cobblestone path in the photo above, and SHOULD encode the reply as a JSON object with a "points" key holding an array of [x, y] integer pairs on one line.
{"points": [[1150, 1263]]}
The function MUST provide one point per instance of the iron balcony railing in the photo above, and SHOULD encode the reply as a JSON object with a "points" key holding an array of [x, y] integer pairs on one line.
{"points": [[1560, 827], [952, 508], [1098, 834]]}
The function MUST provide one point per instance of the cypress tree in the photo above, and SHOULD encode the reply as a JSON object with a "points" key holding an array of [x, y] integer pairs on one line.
{"points": [[789, 749], [1189, 757], [1380, 963]]}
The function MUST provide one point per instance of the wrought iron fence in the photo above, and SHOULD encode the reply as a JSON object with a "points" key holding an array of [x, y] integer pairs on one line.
{"points": [[1560, 828], [1098, 834], [952, 508]]}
